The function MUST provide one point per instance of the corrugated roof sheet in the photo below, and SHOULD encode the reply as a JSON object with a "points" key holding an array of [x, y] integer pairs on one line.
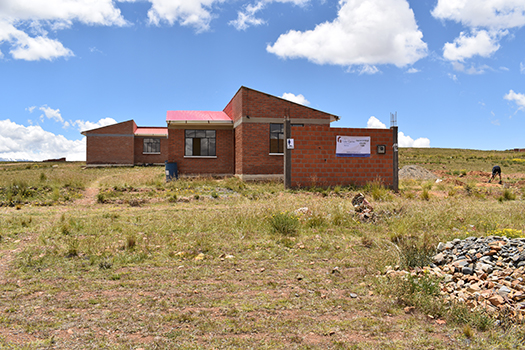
{"points": [[149, 131], [197, 116]]}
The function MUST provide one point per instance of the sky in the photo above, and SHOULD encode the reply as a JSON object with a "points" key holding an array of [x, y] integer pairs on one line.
{"points": [[453, 71]]}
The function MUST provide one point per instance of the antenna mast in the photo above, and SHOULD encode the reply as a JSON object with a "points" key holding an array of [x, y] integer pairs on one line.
{"points": [[393, 119]]}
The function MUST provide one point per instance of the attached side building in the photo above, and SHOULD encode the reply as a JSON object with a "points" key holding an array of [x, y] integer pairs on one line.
{"points": [[125, 144]]}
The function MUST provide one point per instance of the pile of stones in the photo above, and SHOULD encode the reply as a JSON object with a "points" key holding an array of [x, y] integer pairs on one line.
{"points": [[482, 272], [362, 208]]}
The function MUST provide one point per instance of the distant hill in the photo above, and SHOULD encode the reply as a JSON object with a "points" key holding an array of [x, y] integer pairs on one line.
{"points": [[11, 160]]}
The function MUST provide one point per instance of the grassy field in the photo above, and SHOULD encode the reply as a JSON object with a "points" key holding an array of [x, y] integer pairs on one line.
{"points": [[119, 259]]}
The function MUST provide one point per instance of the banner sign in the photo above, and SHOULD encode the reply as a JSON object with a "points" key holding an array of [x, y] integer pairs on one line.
{"points": [[352, 146]]}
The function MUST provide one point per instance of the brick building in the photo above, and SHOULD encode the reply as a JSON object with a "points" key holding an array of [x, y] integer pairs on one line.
{"points": [[246, 139]]}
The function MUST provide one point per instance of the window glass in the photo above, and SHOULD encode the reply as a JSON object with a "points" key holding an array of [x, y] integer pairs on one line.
{"points": [[199, 143], [211, 146], [189, 147], [276, 138], [151, 145], [204, 147]]}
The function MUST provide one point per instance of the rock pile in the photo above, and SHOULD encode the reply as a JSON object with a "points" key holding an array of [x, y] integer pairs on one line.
{"points": [[363, 209], [416, 172], [482, 272]]}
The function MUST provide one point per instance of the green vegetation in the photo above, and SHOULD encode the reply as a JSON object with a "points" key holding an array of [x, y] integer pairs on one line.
{"points": [[461, 161], [130, 261]]}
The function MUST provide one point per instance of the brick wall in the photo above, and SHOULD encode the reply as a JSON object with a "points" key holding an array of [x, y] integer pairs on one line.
{"points": [[113, 144], [141, 158], [238, 148], [252, 137], [234, 108], [253, 150], [223, 164], [256, 104], [314, 161]]}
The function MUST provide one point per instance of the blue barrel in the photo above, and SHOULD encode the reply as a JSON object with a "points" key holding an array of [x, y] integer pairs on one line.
{"points": [[171, 171]]}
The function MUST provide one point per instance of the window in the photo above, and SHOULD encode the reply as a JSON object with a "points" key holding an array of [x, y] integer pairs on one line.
{"points": [[276, 138], [200, 143], [151, 146]]}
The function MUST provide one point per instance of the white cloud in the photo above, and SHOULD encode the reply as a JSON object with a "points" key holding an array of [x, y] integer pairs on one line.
{"points": [[374, 123], [522, 68], [87, 125], [51, 113], [403, 140], [18, 17], [367, 69], [247, 17], [494, 14], [480, 43], [296, 98], [454, 77], [413, 70], [478, 70], [63, 12], [365, 33], [518, 98], [34, 143], [407, 141], [195, 13]]}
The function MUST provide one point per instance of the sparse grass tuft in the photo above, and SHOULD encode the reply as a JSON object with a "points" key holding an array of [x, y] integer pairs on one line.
{"points": [[284, 223], [425, 194]]}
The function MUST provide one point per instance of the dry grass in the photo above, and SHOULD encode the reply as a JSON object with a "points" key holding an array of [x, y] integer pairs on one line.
{"points": [[199, 265]]}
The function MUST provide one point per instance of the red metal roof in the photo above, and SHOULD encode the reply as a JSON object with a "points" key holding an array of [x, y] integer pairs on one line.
{"points": [[151, 131], [197, 116]]}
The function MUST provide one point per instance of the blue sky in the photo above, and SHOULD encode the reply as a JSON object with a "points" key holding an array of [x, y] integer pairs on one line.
{"points": [[454, 71]]}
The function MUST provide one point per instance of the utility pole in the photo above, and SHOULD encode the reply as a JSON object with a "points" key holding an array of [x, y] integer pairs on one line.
{"points": [[393, 126], [287, 153]]}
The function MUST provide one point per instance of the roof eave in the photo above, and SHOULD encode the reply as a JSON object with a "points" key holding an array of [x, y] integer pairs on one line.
{"points": [[200, 121], [152, 135]]}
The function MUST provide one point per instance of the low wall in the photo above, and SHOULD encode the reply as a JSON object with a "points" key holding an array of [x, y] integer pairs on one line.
{"points": [[314, 161]]}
